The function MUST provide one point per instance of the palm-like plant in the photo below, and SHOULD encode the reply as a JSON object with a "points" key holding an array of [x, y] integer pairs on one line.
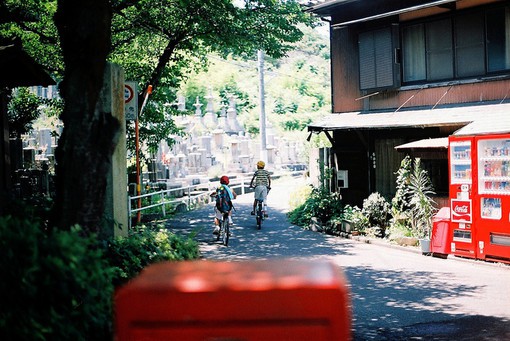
{"points": [[422, 204]]}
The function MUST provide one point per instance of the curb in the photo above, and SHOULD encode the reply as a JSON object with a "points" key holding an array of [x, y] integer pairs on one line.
{"points": [[378, 242]]}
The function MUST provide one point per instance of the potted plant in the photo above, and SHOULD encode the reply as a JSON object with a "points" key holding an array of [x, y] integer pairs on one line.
{"points": [[347, 217], [354, 221], [422, 206]]}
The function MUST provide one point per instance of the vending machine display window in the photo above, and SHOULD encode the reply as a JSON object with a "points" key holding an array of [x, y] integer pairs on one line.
{"points": [[491, 208], [494, 166], [460, 162]]}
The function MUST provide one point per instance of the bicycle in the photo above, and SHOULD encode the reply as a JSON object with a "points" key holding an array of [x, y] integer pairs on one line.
{"points": [[224, 233]]}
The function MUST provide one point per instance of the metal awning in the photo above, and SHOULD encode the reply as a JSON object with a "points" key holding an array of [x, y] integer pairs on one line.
{"points": [[475, 119], [435, 143], [492, 123], [394, 12], [352, 13]]}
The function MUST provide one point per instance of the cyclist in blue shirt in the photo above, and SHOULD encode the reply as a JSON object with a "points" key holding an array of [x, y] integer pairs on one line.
{"points": [[224, 197]]}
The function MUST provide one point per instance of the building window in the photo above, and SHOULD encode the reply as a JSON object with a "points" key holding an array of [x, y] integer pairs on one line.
{"points": [[498, 39], [465, 45], [439, 50], [376, 59], [413, 53], [469, 45]]}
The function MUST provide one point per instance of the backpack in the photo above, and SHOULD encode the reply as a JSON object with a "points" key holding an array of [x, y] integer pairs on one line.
{"points": [[223, 202]]}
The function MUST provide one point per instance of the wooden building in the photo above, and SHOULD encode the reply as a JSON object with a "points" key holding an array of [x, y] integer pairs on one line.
{"points": [[405, 75]]}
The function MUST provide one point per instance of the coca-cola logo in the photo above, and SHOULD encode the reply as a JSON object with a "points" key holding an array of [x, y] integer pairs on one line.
{"points": [[461, 209]]}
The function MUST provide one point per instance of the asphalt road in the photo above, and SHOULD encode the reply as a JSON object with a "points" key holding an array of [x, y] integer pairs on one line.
{"points": [[396, 293]]}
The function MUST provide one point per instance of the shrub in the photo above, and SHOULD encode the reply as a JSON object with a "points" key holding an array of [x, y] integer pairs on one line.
{"points": [[398, 230], [353, 214], [58, 285], [378, 212], [321, 204], [334, 226], [144, 246], [55, 285]]}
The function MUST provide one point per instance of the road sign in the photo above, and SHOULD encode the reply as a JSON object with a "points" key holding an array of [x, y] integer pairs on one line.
{"points": [[130, 101]]}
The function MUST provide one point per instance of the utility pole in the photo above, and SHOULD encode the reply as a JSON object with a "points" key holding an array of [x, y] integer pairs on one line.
{"points": [[137, 147], [263, 141]]}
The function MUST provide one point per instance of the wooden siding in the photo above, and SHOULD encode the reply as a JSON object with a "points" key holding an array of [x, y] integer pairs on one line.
{"points": [[442, 95], [347, 99], [387, 162], [345, 71]]}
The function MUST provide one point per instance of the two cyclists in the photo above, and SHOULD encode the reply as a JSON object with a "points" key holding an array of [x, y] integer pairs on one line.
{"points": [[261, 181]]}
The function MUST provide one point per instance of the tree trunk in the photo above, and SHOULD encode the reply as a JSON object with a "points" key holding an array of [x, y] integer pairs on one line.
{"points": [[85, 148]]}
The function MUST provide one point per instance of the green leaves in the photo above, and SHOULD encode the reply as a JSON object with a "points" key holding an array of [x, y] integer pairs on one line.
{"points": [[145, 246], [22, 110], [422, 203], [413, 204], [55, 285], [32, 22]]}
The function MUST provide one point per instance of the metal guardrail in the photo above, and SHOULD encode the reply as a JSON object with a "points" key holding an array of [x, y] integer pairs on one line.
{"points": [[193, 194], [189, 195]]}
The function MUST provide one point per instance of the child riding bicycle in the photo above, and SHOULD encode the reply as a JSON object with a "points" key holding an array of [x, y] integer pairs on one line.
{"points": [[224, 196], [261, 181]]}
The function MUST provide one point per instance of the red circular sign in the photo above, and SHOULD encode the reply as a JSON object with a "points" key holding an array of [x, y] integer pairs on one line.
{"points": [[129, 93]]}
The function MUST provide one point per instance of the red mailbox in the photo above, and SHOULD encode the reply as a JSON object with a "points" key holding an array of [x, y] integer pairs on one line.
{"points": [[247, 300]]}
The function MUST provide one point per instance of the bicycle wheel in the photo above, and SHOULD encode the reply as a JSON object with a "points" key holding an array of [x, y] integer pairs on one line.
{"points": [[259, 215], [226, 230]]}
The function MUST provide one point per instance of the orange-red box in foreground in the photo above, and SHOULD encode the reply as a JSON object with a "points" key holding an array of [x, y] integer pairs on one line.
{"points": [[278, 299]]}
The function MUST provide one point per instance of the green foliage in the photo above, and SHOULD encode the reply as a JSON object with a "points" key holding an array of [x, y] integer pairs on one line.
{"points": [[22, 111], [378, 211], [321, 204], [422, 204], [58, 285], [162, 43], [353, 214], [413, 206], [398, 229], [55, 285], [144, 246], [287, 109], [299, 196], [242, 99], [401, 200], [157, 125], [31, 21]]}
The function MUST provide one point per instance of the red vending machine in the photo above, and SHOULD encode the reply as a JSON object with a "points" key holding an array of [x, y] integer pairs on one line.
{"points": [[462, 183], [492, 198]]}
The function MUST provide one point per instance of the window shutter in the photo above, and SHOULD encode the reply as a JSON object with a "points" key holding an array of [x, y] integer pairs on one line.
{"points": [[377, 60], [367, 69]]}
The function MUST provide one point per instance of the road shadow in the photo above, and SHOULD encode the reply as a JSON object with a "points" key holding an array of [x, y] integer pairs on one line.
{"points": [[383, 300], [276, 238], [387, 304]]}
